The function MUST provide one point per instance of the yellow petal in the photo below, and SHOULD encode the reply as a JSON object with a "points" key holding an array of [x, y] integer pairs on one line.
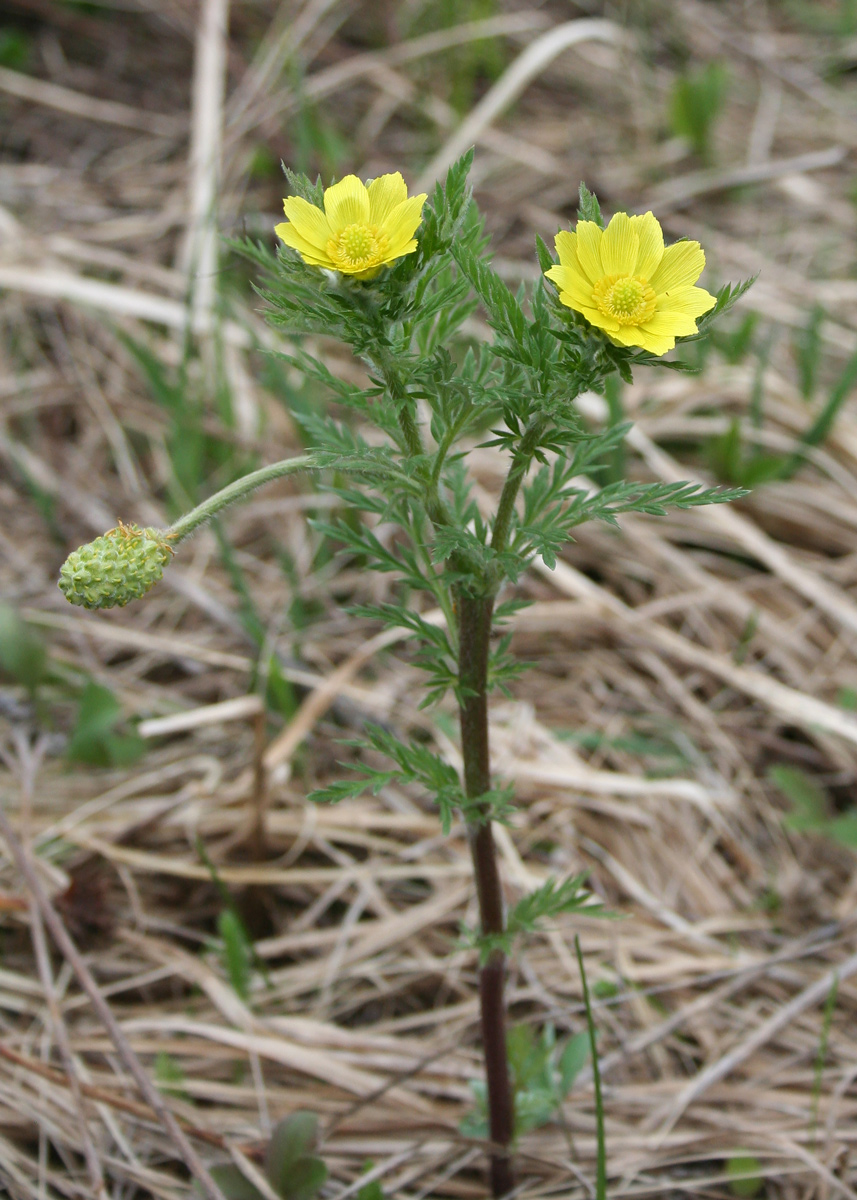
{"points": [[655, 343], [346, 203], [680, 266], [651, 237], [577, 288], [619, 246], [693, 300], [670, 324], [385, 193], [309, 222], [406, 249], [599, 319], [588, 250], [628, 335], [566, 248], [401, 223], [287, 233], [635, 335]]}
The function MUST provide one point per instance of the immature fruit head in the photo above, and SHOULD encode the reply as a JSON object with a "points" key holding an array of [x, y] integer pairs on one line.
{"points": [[119, 566]]}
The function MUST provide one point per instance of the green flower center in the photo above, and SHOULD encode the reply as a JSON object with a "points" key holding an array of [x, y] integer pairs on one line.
{"points": [[357, 241], [628, 299], [358, 248], [119, 566]]}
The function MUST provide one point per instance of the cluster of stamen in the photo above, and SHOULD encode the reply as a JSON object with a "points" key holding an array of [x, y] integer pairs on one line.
{"points": [[357, 248], [628, 299]]}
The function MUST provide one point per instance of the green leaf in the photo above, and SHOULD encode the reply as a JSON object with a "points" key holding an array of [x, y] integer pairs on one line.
{"points": [[843, 829], [475, 1123], [348, 789], [549, 901], [93, 739], [169, 1075], [232, 1182], [841, 391], [505, 314], [23, 656], [696, 102], [725, 299], [293, 1138], [237, 951], [371, 1190], [15, 49], [527, 1056], [809, 800], [302, 186], [600, 1134], [588, 208], [808, 352], [745, 1176], [534, 1108], [306, 1177], [279, 691], [546, 259], [575, 1052]]}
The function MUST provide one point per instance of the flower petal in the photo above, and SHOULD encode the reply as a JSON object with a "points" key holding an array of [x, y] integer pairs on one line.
{"points": [[648, 230], [680, 266], [655, 343], [597, 318], [401, 224], [566, 248], [589, 237], [670, 324], [385, 193], [619, 246], [400, 252], [639, 335], [693, 300], [346, 203], [310, 222], [576, 287], [288, 233], [628, 335]]}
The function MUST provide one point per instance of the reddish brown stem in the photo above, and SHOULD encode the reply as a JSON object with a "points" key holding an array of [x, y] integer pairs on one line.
{"points": [[474, 631]]}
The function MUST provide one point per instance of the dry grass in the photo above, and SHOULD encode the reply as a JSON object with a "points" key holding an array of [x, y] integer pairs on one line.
{"points": [[725, 636]]}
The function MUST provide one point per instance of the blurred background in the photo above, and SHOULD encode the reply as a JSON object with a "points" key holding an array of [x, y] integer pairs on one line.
{"points": [[688, 732]]}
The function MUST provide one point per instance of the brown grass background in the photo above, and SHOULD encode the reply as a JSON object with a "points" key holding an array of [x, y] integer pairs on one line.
{"points": [[138, 132]]}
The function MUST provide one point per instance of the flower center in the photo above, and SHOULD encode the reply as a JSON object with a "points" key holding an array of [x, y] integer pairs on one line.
{"points": [[358, 248], [629, 299]]}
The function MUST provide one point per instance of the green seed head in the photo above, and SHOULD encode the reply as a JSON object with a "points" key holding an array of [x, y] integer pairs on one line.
{"points": [[119, 566]]}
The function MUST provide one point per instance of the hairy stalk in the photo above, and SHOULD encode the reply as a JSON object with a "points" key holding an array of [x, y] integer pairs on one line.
{"points": [[407, 423], [474, 631], [520, 464], [235, 491], [446, 442], [434, 505]]}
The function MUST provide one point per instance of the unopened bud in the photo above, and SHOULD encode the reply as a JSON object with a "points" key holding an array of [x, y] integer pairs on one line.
{"points": [[119, 566]]}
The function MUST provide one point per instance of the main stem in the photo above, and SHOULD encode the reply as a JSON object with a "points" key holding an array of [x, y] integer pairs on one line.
{"points": [[474, 631]]}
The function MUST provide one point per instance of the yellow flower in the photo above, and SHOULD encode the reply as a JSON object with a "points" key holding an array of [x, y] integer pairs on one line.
{"points": [[626, 282], [360, 230]]}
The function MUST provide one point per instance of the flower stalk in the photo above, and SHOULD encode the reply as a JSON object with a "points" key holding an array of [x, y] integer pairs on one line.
{"points": [[474, 632], [237, 490], [126, 562], [520, 465]]}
